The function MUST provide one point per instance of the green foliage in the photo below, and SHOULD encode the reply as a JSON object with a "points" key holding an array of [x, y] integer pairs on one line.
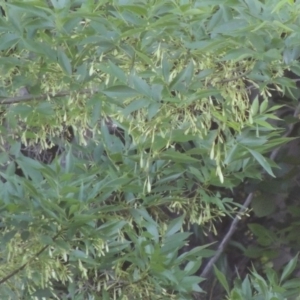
{"points": [[109, 218], [256, 287]]}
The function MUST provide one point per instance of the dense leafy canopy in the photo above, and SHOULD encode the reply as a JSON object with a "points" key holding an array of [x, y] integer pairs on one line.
{"points": [[136, 126]]}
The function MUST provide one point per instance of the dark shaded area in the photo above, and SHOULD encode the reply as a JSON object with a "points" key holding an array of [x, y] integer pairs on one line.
{"points": [[45, 156]]}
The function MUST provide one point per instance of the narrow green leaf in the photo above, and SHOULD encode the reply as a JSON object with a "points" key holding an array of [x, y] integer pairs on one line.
{"points": [[117, 72], [183, 77], [41, 48], [289, 268], [238, 54], [38, 9], [8, 40], [246, 286], [120, 91], [64, 62], [254, 106], [174, 226], [138, 9], [135, 105], [175, 242], [262, 161], [222, 279], [192, 267], [60, 4], [263, 106], [165, 68], [141, 85], [45, 108], [153, 109], [178, 157]]}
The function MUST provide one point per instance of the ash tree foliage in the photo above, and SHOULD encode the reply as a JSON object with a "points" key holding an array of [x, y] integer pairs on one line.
{"points": [[131, 134]]}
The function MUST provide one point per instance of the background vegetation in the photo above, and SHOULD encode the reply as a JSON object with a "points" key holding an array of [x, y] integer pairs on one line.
{"points": [[149, 149]]}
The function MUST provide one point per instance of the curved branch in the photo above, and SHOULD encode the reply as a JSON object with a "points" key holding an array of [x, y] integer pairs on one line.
{"points": [[246, 204], [234, 78], [27, 98], [227, 237], [13, 273]]}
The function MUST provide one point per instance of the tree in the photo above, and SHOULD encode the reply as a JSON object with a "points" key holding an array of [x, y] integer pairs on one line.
{"points": [[129, 130]]}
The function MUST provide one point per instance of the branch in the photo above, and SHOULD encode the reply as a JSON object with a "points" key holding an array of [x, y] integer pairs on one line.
{"points": [[246, 204], [234, 78], [27, 98], [227, 237], [13, 273]]}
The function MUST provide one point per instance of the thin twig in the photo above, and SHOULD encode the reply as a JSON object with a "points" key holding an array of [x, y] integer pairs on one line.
{"points": [[227, 237], [27, 98], [246, 204], [13, 273], [234, 78]]}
